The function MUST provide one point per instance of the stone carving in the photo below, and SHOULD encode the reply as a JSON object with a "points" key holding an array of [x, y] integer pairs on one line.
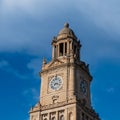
{"points": [[55, 98], [70, 110]]}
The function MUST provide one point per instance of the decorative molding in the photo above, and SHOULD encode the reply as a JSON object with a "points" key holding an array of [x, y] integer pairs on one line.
{"points": [[55, 62], [58, 104], [55, 97], [90, 111], [70, 110]]}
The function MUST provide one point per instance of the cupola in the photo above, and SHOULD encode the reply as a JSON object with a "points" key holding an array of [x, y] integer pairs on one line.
{"points": [[66, 32], [66, 44]]}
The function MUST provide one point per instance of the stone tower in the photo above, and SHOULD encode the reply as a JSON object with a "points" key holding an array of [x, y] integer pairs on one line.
{"points": [[65, 83]]}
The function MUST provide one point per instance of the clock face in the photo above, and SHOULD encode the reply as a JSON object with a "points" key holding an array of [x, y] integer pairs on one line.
{"points": [[83, 87], [56, 83]]}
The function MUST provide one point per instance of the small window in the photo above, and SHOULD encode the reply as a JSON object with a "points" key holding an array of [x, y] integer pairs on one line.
{"points": [[53, 118], [61, 117]]}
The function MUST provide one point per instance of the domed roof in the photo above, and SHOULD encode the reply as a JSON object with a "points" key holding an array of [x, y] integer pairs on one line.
{"points": [[66, 30]]}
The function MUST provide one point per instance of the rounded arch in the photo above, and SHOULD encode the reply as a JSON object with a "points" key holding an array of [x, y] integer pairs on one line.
{"points": [[62, 117], [70, 116], [53, 118]]}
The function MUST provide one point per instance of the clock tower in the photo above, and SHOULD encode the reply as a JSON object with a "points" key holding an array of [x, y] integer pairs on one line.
{"points": [[65, 82]]}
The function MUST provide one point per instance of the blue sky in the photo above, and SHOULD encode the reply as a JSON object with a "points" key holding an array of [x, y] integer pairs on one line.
{"points": [[26, 31]]}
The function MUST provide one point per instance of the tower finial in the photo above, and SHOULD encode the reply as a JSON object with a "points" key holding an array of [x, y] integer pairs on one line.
{"points": [[66, 25], [44, 61]]}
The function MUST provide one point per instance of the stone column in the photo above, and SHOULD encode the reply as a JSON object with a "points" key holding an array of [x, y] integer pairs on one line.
{"points": [[57, 117], [58, 49], [68, 48], [53, 52], [66, 114], [48, 116], [63, 48]]}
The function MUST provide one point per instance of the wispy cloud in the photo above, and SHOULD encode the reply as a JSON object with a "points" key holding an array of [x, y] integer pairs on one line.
{"points": [[31, 6], [31, 94], [104, 13], [5, 65], [35, 66], [29, 25], [11, 5]]}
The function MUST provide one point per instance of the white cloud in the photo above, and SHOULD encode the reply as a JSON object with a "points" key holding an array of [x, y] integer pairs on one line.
{"points": [[35, 65], [31, 92], [104, 13], [29, 25], [32, 6], [13, 4], [6, 66], [35, 94]]}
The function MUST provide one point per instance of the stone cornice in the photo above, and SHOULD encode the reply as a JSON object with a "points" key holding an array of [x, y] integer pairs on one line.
{"points": [[56, 105], [84, 67], [52, 106], [90, 111]]}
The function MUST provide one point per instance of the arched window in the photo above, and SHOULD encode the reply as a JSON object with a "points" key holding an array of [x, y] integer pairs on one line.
{"points": [[53, 118], [61, 117], [45, 119], [61, 49], [70, 116]]}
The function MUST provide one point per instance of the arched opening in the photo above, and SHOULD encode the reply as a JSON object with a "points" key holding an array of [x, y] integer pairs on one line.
{"points": [[62, 117], [61, 49], [53, 118]]}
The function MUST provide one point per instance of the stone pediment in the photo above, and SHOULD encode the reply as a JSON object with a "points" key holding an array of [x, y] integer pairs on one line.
{"points": [[55, 62], [36, 107]]}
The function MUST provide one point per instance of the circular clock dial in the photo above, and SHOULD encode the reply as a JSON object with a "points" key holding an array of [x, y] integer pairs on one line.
{"points": [[83, 87], [56, 83]]}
